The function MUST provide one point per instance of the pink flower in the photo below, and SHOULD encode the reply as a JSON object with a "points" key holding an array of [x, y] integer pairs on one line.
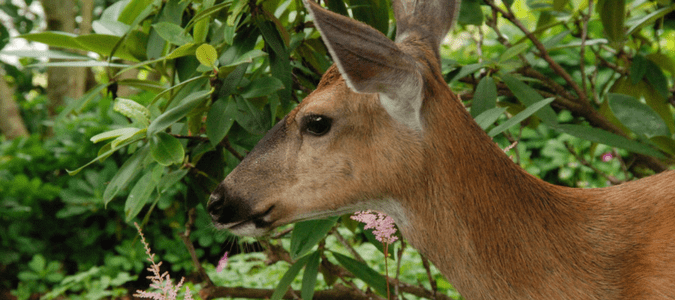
{"points": [[222, 263], [383, 225], [607, 157]]}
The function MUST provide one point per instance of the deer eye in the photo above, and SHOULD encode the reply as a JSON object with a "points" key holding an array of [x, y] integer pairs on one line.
{"points": [[316, 124]]}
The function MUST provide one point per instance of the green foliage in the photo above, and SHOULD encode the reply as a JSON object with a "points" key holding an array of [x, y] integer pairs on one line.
{"points": [[216, 75]]}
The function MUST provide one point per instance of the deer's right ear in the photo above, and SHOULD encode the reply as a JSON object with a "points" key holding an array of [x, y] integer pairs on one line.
{"points": [[371, 63]]}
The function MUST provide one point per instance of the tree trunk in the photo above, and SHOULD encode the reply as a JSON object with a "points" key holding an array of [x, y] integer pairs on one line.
{"points": [[11, 123], [61, 82]]}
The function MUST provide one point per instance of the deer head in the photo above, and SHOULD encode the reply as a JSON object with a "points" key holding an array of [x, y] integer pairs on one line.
{"points": [[358, 140]]}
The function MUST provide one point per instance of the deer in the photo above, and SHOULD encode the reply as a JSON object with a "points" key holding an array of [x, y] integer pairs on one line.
{"points": [[383, 131]]}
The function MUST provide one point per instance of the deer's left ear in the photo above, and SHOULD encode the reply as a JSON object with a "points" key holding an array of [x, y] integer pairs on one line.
{"points": [[371, 63]]}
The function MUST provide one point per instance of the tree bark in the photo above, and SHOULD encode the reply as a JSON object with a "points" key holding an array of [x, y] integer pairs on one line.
{"points": [[11, 123]]}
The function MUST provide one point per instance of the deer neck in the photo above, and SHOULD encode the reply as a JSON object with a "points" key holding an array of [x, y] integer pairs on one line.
{"points": [[495, 231]]}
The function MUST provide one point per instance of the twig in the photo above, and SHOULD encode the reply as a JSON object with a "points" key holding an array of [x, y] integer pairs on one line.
{"points": [[613, 180], [191, 248], [432, 281], [582, 51], [349, 247], [542, 50]]}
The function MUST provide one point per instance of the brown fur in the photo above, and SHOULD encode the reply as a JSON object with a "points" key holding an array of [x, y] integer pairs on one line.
{"points": [[495, 231]]}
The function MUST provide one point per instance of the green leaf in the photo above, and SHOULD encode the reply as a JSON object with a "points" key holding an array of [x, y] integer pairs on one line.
{"points": [[598, 135], [131, 109], [526, 113], [307, 234], [45, 54], [220, 119], [470, 13], [649, 19], [612, 15], [133, 10], [337, 6], [172, 33], [529, 96], [485, 97], [113, 134], [184, 50], [286, 280], [656, 78], [127, 171], [172, 116], [489, 116], [309, 278], [363, 272], [250, 117], [262, 87], [148, 85], [140, 193], [166, 149], [55, 38], [110, 27], [466, 70], [81, 64], [247, 57], [207, 55], [513, 51], [171, 179], [638, 117], [38, 263], [638, 69], [103, 44]]}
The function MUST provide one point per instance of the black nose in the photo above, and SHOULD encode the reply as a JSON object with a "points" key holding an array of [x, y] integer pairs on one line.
{"points": [[226, 208]]}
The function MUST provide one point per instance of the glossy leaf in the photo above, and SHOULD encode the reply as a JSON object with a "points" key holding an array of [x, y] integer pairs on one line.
{"points": [[638, 117], [286, 280], [530, 96], [520, 116], [166, 149], [125, 174], [220, 119], [173, 115], [113, 134], [489, 116], [363, 272], [485, 97], [131, 109], [307, 234], [172, 33], [309, 278]]}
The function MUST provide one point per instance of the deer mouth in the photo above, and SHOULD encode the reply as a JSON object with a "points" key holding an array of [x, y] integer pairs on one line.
{"points": [[255, 225]]}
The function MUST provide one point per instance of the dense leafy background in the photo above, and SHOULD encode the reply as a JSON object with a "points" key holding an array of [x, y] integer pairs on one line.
{"points": [[583, 116]]}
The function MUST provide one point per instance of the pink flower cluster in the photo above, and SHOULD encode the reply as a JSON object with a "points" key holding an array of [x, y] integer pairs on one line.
{"points": [[160, 281], [383, 225]]}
